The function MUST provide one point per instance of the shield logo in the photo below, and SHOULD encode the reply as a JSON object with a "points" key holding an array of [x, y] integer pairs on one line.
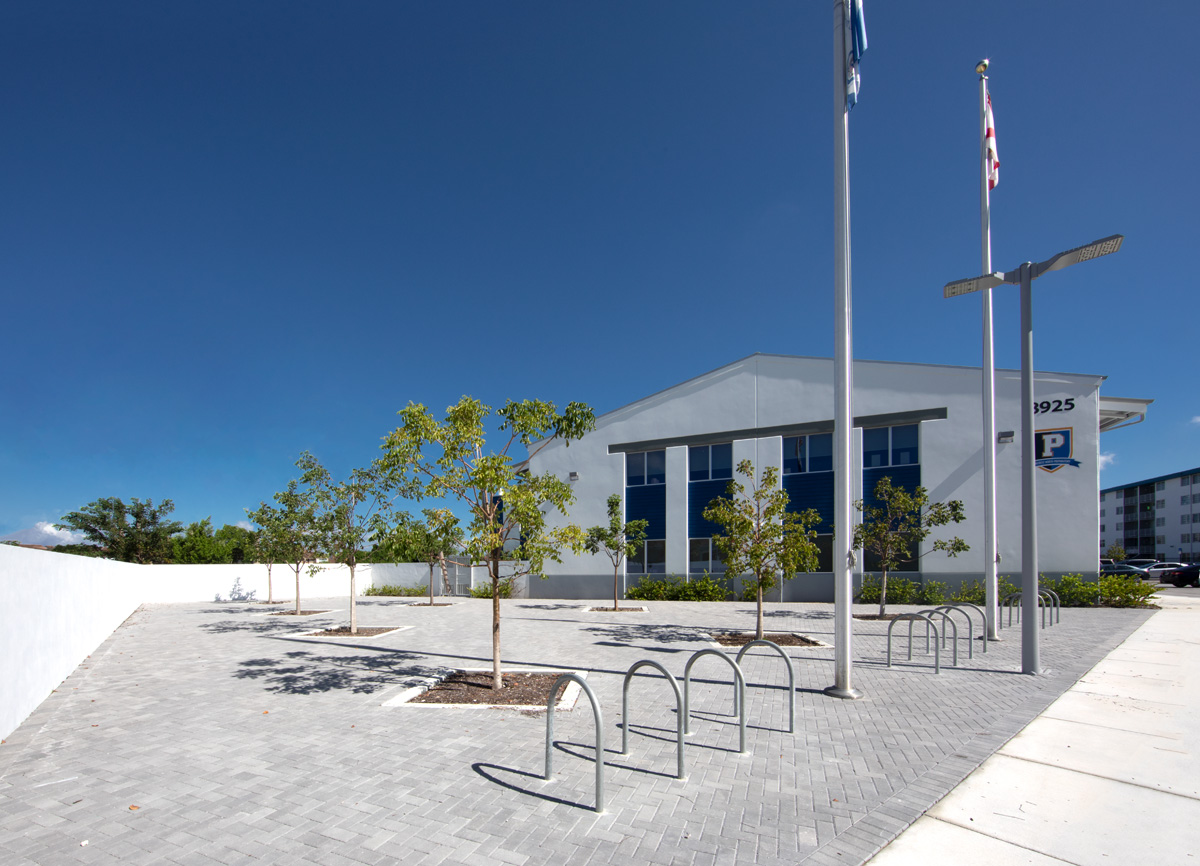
{"points": [[1053, 449]]}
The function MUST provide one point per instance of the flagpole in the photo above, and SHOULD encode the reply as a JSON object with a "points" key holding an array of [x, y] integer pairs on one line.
{"points": [[843, 555], [990, 552]]}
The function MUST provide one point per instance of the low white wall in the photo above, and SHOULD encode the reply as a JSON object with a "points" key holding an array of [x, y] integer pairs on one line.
{"points": [[55, 609]]}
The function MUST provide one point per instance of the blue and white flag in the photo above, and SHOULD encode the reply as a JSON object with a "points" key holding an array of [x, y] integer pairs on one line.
{"points": [[856, 38]]}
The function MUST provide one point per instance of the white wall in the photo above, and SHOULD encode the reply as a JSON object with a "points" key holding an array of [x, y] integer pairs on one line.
{"points": [[56, 609]]}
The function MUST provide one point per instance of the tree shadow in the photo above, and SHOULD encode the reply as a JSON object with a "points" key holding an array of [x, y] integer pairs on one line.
{"points": [[578, 607], [629, 633], [304, 673], [791, 614], [261, 627]]}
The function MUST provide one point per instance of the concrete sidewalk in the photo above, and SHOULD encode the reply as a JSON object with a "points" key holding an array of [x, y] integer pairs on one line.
{"points": [[1108, 774]]}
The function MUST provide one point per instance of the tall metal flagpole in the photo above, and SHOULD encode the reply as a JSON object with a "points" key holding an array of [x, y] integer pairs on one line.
{"points": [[990, 551], [842, 417]]}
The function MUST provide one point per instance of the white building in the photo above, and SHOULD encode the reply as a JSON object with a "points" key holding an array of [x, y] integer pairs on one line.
{"points": [[670, 453], [1158, 517]]}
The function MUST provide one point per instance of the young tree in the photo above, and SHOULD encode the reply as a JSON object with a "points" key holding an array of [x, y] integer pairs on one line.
{"points": [[238, 543], [618, 541], [894, 529], [507, 503], [348, 512], [412, 540], [761, 537], [1115, 552], [287, 534], [137, 532]]}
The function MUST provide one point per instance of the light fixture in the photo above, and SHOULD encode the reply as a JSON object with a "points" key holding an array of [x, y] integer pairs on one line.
{"points": [[1005, 436], [574, 476]]}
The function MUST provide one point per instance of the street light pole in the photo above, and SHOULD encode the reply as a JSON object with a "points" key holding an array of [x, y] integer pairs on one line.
{"points": [[1024, 277]]}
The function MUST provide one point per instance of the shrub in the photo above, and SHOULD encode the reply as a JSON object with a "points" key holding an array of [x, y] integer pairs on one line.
{"points": [[900, 590], [975, 593], [484, 590], [1120, 590], [674, 588], [1073, 590], [389, 589], [932, 593]]}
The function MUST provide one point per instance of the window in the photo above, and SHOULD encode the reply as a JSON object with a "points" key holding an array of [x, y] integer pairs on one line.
{"points": [[1185, 539], [890, 446], [650, 558], [1120, 509], [1183, 482], [1183, 500], [1185, 518], [1196, 479], [1160, 539], [1162, 503], [1195, 497], [710, 462], [1161, 521], [1101, 528], [703, 555], [808, 454], [1120, 527], [1101, 512], [1161, 485], [1103, 496], [646, 467]]}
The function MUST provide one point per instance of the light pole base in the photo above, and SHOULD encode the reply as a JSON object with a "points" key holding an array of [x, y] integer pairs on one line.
{"points": [[845, 694]]}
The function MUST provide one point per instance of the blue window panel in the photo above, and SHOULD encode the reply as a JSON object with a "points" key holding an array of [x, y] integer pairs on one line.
{"points": [[793, 455], [722, 461], [908, 477], [698, 463], [656, 467], [635, 469], [820, 453], [700, 494], [904, 445], [875, 447], [811, 490], [648, 502]]}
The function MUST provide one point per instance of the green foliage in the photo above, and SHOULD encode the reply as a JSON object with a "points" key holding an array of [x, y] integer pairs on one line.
{"points": [[287, 533], [1125, 590], [137, 532], [618, 541], [198, 545], [894, 529], [1115, 552], [1072, 590], [508, 506], [673, 588], [503, 589], [392, 590], [239, 543], [975, 592], [903, 591], [761, 538]]}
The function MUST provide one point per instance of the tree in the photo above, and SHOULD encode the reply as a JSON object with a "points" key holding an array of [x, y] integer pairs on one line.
{"points": [[239, 543], [761, 537], [507, 503], [894, 529], [412, 540], [1115, 552], [138, 532], [618, 541], [347, 512], [198, 545], [287, 534]]}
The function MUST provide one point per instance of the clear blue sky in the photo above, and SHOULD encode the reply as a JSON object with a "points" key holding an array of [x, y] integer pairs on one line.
{"points": [[235, 231]]}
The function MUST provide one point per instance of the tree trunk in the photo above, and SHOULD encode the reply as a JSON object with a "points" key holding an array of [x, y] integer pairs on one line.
{"points": [[298, 567], [445, 574], [270, 592], [431, 584], [883, 592], [497, 680], [758, 633], [353, 610], [616, 586]]}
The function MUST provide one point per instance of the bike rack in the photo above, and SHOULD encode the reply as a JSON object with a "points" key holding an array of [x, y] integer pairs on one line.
{"points": [[982, 618], [1015, 597], [946, 609], [679, 713], [1055, 608], [587, 690], [913, 617], [946, 619], [791, 676], [739, 694]]}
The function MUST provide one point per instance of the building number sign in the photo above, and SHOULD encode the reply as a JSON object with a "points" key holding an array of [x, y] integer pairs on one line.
{"points": [[1046, 406]]}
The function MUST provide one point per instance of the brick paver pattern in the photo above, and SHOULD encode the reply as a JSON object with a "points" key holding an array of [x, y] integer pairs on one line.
{"points": [[240, 742]]}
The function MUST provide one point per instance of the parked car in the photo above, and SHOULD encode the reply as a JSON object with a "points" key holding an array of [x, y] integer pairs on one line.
{"points": [[1185, 575], [1160, 568], [1141, 563], [1124, 568]]}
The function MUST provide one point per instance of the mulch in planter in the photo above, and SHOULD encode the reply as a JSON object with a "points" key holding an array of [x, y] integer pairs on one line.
{"points": [[786, 639], [293, 613], [875, 617], [427, 604], [363, 631], [475, 687], [616, 610]]}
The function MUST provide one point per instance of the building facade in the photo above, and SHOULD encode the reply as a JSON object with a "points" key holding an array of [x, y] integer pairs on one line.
{"points": [[1158, 517], [671, 453]]}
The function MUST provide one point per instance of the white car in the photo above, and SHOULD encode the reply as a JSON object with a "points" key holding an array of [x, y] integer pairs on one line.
{"points": [[1157, 570]]}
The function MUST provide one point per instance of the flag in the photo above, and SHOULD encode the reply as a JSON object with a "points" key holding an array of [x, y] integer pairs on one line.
{"points": [[856, 38], [991, 160]]}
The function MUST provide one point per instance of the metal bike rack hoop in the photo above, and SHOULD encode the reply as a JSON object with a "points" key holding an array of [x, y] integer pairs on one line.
{"points": [[982, 618], [912, 617], [587, 690], [791, 669], [679, 773], [739, 694], [946, 620], [946, 609]]}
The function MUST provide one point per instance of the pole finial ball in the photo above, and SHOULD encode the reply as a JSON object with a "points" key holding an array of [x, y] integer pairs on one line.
{"points": [[981, 66]]}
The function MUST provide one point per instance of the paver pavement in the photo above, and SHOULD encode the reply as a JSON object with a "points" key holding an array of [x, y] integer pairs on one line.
{"points": [[241, 742]]}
